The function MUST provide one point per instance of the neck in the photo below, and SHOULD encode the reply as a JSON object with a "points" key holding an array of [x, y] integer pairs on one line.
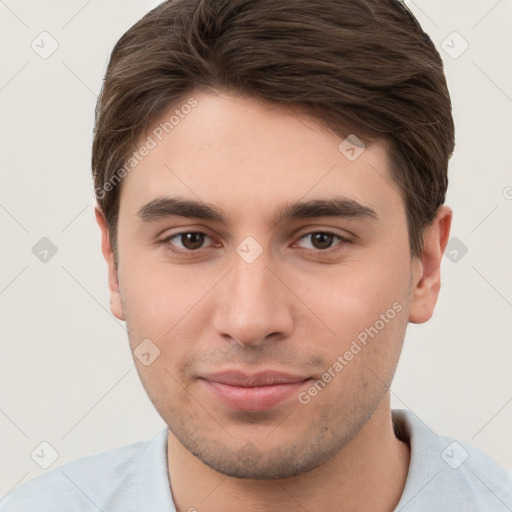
{"points": [[368, 474]]}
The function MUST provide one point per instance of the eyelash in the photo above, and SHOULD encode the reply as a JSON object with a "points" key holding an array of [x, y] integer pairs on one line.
{"points": [[329, 250]]}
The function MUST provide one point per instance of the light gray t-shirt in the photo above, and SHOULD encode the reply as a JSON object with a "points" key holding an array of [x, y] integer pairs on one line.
{"points": [[444, 475]]}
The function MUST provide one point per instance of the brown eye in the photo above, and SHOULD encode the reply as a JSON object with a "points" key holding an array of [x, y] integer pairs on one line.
{"points": [[192, 240], [187, 241], [322, 240]]}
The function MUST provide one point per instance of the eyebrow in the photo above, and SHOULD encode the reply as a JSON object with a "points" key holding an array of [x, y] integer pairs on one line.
{"points": [[164, 207]]}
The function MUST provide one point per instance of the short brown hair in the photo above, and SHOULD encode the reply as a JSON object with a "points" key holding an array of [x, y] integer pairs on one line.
{"points": [[357, 66]]}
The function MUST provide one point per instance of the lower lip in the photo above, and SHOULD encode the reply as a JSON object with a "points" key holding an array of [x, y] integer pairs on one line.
{"points": [[257, 398]]}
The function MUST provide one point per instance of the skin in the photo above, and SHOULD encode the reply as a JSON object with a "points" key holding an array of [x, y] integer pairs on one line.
{"points": [[294, 309]]}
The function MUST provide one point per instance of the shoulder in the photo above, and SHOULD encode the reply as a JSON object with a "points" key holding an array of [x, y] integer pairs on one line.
{"points": [[449, 474], [107, 481]]}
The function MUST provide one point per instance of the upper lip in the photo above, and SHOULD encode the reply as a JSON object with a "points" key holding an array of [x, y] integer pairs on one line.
{"points": [[264, 378]]}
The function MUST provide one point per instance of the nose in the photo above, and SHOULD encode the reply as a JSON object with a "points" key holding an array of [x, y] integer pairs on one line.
{"points": [[254, 305]]}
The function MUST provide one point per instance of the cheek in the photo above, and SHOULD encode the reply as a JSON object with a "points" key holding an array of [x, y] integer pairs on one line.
{"points": [[366, 310], [166, 304], [355, 296], [156, 290], [359, 369]]}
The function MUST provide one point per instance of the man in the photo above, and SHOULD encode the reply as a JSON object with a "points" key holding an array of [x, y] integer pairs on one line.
{"points": [[270, 179]]}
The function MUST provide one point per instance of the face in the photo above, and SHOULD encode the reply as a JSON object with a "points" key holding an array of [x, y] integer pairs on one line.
{"points": [[271, 275]]}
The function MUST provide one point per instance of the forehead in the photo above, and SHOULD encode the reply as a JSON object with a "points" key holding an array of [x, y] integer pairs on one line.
{"points": [[246, 156]]}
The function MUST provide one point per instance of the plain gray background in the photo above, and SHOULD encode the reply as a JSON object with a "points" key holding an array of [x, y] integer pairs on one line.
{"points": [[67, 377]]}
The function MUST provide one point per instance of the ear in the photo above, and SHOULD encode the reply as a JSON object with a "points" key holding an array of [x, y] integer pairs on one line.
{"points": [[113, 279], [427, 273]]}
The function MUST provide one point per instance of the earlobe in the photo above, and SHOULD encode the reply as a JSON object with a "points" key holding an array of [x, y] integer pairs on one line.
{"points": [[113, 276], [427, 274]]}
